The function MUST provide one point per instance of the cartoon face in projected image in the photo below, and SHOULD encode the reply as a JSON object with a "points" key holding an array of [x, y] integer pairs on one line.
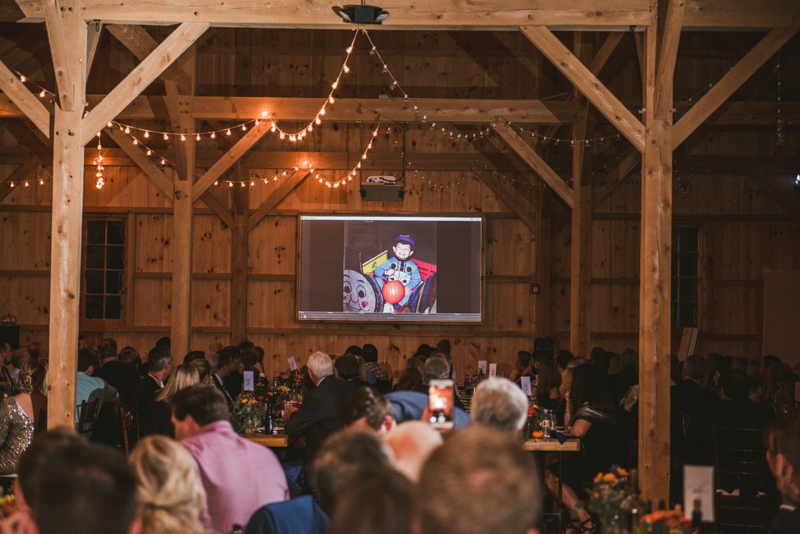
{"points": [[358, 294], [403, 277]]}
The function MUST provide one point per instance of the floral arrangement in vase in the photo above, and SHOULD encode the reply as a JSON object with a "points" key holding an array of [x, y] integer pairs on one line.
{"points": [[608, 492], [533, 428], [247, 412]]}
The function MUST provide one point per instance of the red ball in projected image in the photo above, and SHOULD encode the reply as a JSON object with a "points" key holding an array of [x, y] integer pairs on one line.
{"points": [[393, 291]]}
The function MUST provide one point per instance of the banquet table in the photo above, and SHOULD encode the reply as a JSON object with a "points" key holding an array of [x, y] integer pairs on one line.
{"points": [[279, 440], [542, 446]]}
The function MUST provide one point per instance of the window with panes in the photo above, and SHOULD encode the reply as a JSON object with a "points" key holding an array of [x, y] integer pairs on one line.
{"points": [[685, 279], [104, 269]]}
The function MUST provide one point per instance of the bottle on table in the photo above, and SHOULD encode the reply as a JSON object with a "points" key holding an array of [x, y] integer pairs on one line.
{"points": [[697, 516], [631, 510], [546, 424]]}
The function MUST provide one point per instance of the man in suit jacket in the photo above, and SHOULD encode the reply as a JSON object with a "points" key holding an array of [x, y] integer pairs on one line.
{"points": [[318, 417], [228, 361], [783, 457], [159, 367], [690, 396]]}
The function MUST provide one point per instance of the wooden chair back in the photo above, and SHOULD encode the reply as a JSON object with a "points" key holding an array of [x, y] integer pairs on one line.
{"points": [[740, 473], [88, 417], [129, 418]]}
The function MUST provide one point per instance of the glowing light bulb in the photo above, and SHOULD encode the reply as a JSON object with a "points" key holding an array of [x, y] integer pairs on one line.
{"points": [[284, 173], [98, 134], [163, 162], [228, 132], [252, 184], [183, 137], [213, 135], [242, 184], [41, 182], [257, 123], [328, 184], [146, 134], [198, 137], [275, 179], [26, 184], [310, 128], [166, 137], [283, 135], [41, 95], [149, 152], [11, 184], [322, 111], [375, 133], [346, 68], [369, 146], [109, 124], [359, 165], [336, 185], [244, 128], [330, 99], [216, 182], [22, 79], [99, 147], [135, 142], [363, 156], [318, 120], [266, 181], [349, 49], [230, 184], [334, 85], [128, 130]]}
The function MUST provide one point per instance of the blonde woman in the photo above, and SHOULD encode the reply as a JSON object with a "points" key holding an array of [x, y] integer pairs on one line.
{"points": [[156, 417], [169, 494]]}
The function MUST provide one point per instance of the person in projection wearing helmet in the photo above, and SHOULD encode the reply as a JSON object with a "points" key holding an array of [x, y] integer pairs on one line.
{"points": [[400, 267]]}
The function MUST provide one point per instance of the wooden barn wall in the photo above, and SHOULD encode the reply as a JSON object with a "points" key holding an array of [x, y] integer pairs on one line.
{"points": [[736, 240]]}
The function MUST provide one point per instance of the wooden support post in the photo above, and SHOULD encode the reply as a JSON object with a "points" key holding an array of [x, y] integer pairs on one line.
{"points": [[654, 291], [581, 247], [541, 303], [67, 227], [182, 237], [241, 199]]}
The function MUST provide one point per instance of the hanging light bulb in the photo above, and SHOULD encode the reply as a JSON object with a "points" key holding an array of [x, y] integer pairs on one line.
{"points": [[230, 184], [163, 162], [252, 184], [273, 128], [244, 128], [146, 134], [363, 156], [266, 181], [283, 135], [109, 124], [310, 127], [346, 68], [26, 184], [318, 120], [166, 137], [242, 184], [135, 142], [128, 130], [41, 95], [228, 132], [41, 182], [183, 137], [216, 182], [22, 78], [197, 138], [11, 184], [322, 111], [213, 135], [149, 152], [334, 85], [330, 99], [257, 123], [349, 49]]}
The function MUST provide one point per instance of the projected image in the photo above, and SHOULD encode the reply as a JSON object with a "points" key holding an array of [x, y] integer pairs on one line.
{"points": [[389, 267]]}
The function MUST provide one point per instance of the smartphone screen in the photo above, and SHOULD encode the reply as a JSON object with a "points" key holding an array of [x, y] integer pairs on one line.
{"points": [[440, 402]]}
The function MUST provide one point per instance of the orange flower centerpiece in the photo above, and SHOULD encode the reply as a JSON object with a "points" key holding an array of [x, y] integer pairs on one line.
{"points": [[665, 522], [606, 496]]}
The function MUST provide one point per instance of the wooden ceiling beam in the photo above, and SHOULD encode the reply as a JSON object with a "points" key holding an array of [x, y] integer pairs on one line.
{"points": [[276, 198], [729, 83], [141, 44], [140, 77], [668, 54], [145, 163], [536, 163], [232, 156], [509, 197], [216, 206], [59, 45], [27, 102], [587, 83], [20, 174], [94, 31], [432, 14]]}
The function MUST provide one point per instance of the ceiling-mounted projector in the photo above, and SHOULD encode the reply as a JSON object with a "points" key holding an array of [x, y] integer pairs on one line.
{"points": [[362, 14]]}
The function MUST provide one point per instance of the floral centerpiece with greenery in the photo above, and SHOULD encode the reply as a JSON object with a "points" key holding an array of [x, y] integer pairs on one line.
{"points": [[247, 412], [608, 492], [533, 427]]}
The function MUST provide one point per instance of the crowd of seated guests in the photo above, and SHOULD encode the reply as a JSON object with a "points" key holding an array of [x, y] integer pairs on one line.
{"points": [[371, 461]]}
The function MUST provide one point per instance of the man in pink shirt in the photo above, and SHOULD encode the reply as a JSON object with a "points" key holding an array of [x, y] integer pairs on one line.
{"points": [[239, 476]]}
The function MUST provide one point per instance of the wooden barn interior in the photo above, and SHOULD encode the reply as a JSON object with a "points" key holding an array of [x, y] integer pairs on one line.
{"points": [[634, 160]]}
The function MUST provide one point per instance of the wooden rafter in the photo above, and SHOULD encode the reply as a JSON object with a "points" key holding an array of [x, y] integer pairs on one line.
{"points": [[588, 83], [140, 77], [222, 212], [729, 83], [276, 198], [141, 44], [232, 156], [31, 106], [146, 164], [94, 31], [20, 174], [536, 163], [508, 197]]}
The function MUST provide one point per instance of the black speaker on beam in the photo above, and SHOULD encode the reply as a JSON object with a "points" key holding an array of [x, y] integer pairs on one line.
{"points": [[10, 335]]}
